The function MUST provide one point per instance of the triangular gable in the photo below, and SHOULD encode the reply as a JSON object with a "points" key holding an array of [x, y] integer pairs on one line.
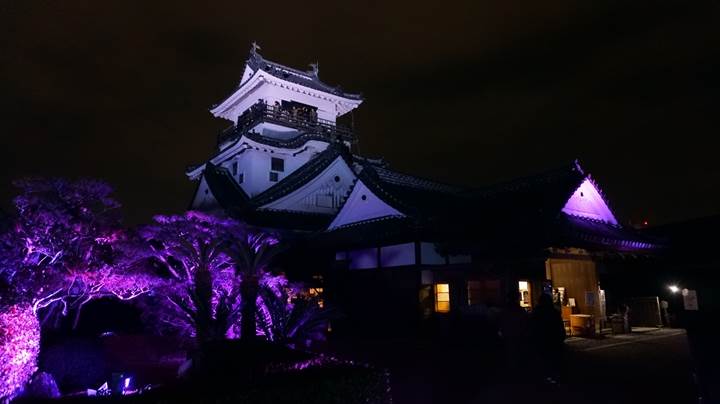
{"points": [[322, 194], [224, 188], [204, 200], [247, 73], [587, 202], [361, 205]]}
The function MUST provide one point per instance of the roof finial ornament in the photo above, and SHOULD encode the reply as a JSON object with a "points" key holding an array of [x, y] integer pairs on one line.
{"points": [[315, 68], [254, 47]]}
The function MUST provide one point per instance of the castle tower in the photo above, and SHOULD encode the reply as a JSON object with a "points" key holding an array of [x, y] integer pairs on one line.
{"points": [[284, 125]]}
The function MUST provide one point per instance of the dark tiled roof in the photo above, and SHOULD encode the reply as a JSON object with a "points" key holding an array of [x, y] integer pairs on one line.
{"points": [[225, 189], [542, 194], [307, 79], [577, 231], [375, 162], [237, 203], [413, 196], [368, 233], [292, 143], [408, 181]]}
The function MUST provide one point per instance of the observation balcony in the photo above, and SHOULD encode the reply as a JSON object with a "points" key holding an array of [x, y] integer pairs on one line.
{"points": [[305, 122]]}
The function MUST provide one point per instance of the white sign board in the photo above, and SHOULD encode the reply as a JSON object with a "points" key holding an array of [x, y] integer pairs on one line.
{"points": [[690, 299]]}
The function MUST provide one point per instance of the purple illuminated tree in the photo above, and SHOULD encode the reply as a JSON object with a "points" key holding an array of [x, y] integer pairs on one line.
{"points": [[197, 292], [252, 256], [60, 251], [57, 253], [291, 317], [215, 281], [19, 347]]}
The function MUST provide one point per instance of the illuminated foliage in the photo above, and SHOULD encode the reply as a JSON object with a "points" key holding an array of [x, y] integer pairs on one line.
{"points": [[196, 290], [61, 250], [19, 347], [214, 281], [253, 255], [288, 316]]}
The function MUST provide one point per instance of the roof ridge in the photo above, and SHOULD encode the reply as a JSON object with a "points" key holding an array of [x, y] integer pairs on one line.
{"points": [[366, 221], [523, 181], [594, 220], [370, 178], [452, 187], [255, 61]]}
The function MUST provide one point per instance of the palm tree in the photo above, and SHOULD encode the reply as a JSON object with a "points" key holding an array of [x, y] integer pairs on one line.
{"points": [[193, 249], [296, 321], [252, 256]]}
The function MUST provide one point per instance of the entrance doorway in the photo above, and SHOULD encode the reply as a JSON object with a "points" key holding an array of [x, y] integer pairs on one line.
{"points": [[525, 294]]}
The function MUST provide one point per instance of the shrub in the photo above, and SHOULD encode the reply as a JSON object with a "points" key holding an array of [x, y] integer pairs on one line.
{"points": [[19, 347]]}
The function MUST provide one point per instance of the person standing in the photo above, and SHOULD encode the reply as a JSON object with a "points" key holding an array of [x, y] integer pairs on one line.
{"points": [[547, 335]]}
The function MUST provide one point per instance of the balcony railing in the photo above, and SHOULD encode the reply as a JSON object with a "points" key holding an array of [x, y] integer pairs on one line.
{"points": [[305, 121]]}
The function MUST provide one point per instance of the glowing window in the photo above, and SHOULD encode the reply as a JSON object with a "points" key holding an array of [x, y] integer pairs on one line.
{"points": [[525, 296], [442, 297]]}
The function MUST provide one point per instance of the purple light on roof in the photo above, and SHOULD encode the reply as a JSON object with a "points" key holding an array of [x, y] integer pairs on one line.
{"points": [[588, 202]]}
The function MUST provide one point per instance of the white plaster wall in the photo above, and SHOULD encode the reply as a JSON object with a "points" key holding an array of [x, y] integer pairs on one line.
{"points": [[587, 201], [278, 90], [255, 164], [362, 205], [397, 255], [275, 131], [305, 199], [254, 161], [363, 259]]}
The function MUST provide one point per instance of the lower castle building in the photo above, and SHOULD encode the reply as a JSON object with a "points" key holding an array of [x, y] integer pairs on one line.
{"points": [[378, 241]]}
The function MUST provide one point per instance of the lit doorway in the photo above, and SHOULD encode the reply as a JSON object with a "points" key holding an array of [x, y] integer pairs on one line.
{"points": [[525, 294]]}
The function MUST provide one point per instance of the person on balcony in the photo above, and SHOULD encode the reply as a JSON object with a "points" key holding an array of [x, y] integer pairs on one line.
{"points": [[276, 110]]}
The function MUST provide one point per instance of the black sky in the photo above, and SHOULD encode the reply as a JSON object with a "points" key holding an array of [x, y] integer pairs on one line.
{"points": [[469, 92]]}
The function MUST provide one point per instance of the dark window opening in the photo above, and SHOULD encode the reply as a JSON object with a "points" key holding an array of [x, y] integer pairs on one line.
{"points": [[277, 164], [241, 178], [234, 168], [273, 176], [337, 178]]}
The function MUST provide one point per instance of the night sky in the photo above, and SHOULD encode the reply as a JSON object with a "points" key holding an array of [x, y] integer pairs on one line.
{"points": [[468, 92]]}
